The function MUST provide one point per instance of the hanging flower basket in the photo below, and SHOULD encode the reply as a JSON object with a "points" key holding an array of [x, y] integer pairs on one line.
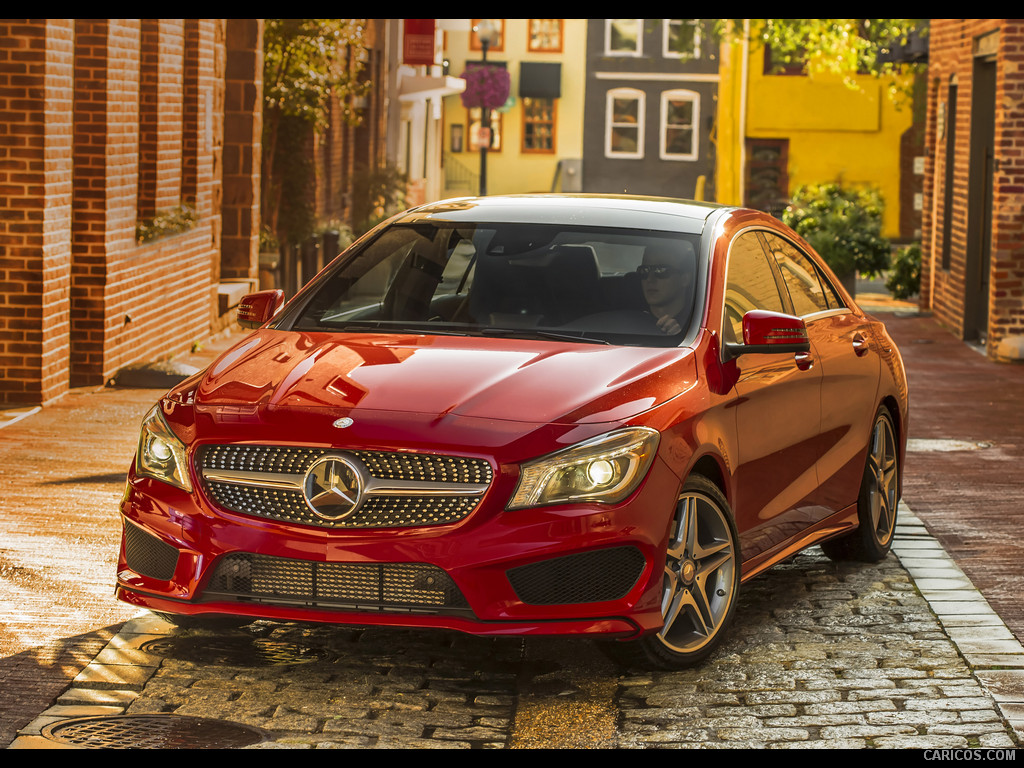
{"points": [[487, 86]]}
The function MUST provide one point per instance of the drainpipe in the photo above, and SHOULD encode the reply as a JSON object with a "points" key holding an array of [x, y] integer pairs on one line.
{"points": [[745, 51]]}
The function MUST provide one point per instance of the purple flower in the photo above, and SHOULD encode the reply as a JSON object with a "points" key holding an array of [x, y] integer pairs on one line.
{"points": [[487, 86]]}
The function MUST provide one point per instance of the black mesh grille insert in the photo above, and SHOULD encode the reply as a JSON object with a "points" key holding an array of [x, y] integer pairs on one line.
{"points": [[392, 509], [588, 577], [147, 555], [350, 586]]}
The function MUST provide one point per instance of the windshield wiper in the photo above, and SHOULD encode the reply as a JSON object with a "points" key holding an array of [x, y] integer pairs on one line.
{"points": [[530, 333], [429, 329]]}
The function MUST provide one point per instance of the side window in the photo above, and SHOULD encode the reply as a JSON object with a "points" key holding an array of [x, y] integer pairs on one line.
{"points": [[750, 284], [808, 288]]}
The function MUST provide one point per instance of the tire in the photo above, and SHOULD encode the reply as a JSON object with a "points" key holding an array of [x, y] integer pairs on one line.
{"points": [[878, 500], [700, 584], [210, 621]]}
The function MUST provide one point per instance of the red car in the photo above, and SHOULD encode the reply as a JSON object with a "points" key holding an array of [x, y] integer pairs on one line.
{"points": [[558, 415]]}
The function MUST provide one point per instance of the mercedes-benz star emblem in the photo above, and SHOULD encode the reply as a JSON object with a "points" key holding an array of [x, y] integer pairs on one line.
{"points": [[333, 488], [343, 422]]}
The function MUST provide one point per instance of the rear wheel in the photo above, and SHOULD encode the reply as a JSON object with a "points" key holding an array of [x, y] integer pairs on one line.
{"points": [[879, 497], [699, 586]]}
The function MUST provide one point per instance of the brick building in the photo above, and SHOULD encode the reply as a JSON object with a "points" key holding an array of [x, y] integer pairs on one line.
{"points": [[973, 228], [105, 124]]}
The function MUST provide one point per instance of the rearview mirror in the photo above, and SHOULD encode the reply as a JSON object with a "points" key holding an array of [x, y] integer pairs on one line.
{"points": [[767, 332], [255, 309]]}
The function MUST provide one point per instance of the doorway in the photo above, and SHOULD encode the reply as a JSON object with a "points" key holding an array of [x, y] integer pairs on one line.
{"points": [[979, 200]]}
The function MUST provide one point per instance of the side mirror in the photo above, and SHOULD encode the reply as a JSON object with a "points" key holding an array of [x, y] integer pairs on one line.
{"points": [[768, 333], [255, 309]]}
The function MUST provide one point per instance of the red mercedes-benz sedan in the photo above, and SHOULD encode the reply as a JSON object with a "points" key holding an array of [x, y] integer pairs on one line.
{"points": [[526, 415]]}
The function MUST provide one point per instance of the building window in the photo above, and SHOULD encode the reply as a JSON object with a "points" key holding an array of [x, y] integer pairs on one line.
{"points": [[682, 39], [474, 40], [475, 137], [680, 114], [545, 35], [623, 37], [538, 125], [624, 127]]}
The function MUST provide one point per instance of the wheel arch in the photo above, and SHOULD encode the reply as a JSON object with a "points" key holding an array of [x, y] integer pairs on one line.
{"points": [[710, 467], [893, 408]]}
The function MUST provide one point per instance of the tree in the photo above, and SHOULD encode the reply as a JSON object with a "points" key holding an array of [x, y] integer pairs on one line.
{"points": [[307, 63], [847, 48]]}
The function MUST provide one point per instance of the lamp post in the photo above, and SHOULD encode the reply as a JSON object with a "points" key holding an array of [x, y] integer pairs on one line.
{"points": [[487, 33]]}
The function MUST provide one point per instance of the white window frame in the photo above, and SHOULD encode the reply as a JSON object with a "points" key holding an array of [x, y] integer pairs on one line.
{"points": [[679, 94], [669, 54], [641, 99], [608, 51]]}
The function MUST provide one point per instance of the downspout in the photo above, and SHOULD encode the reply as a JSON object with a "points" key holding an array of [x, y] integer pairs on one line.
{"points": [[745, 51]]}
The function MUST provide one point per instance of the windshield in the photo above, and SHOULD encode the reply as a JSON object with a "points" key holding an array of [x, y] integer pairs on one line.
{"points": [[598, 285]]}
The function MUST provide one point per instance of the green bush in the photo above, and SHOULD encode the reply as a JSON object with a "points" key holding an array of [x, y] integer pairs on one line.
{"points": [[843, 224], [904, 278], [169, 222]]}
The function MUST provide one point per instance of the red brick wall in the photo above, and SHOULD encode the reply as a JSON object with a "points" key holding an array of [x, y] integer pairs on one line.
{"points": [[35, 207], [1007, 282], [951, 53], [101, 122]]}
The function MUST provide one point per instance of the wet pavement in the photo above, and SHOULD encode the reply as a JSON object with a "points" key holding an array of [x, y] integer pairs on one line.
{"points": [[906, 653]]}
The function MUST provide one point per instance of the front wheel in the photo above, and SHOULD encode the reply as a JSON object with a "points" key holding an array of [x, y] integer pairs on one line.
{"points": [[699, 586], [879, 497]]}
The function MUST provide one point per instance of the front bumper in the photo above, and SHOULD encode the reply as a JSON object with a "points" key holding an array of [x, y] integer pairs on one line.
{"points": [[569, 569]]}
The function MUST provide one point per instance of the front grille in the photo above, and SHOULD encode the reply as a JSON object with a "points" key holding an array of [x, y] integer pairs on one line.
{"points": [[587, 577], [147, 555], [401, 489], [340, 586]]}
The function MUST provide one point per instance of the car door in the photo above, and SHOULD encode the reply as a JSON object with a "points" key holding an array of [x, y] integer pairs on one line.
{"points": [[843, 347], [777, 410]]}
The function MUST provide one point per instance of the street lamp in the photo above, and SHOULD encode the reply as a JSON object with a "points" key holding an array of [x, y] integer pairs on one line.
{"points": [[487, 34]]}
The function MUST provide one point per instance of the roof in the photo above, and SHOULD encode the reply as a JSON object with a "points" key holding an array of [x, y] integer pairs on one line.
{"points": [[629, 211]]}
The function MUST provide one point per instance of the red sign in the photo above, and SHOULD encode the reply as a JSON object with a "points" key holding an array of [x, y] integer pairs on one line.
{"points": [[418, 42]]}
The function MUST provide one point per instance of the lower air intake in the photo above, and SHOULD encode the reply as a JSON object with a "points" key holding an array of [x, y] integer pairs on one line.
{"points": [[587, 577]]}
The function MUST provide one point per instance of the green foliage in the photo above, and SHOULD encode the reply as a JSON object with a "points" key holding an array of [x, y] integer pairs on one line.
{"points": [[904, 278], [169, 222], [306, 61], [376, 195], [344, 232], [847, 48], [308, 65], [843, 224]]}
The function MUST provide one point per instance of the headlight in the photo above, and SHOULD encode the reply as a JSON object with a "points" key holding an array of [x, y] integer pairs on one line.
{"points": [[161, 455], [606, 469]]}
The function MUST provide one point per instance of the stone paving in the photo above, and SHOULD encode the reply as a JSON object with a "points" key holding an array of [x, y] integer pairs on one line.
{"points": [[902, 654]]}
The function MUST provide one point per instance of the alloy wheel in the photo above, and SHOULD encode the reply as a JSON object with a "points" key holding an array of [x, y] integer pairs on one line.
{"points": [[700, 574]]}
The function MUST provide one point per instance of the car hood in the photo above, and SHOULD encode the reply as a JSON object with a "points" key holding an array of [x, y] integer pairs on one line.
{"points": [[539, 382]]}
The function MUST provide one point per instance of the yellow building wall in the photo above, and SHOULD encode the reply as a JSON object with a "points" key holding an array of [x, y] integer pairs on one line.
{"points": [[511, 171], [835, 131]]}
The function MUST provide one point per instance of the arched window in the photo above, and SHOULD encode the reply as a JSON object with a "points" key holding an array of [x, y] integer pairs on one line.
{"points": [[680, 115], [624, 123]]}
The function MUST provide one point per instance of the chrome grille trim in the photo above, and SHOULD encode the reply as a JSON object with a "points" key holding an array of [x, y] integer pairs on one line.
{"points": [[400, 489]]}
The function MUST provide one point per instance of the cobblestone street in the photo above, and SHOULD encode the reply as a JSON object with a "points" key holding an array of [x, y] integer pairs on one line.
{"points": [[821, 655]]}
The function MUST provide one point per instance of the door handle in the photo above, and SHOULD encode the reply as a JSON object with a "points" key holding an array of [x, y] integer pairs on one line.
{"points": [[860, 344]]}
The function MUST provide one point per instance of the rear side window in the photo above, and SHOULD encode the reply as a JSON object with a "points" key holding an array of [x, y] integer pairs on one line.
{"points": [[808, 287]]}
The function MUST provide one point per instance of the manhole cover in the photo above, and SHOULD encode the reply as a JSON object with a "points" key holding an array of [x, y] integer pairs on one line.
{"points": [[152, 732], [236, 651], [944, 445]]}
